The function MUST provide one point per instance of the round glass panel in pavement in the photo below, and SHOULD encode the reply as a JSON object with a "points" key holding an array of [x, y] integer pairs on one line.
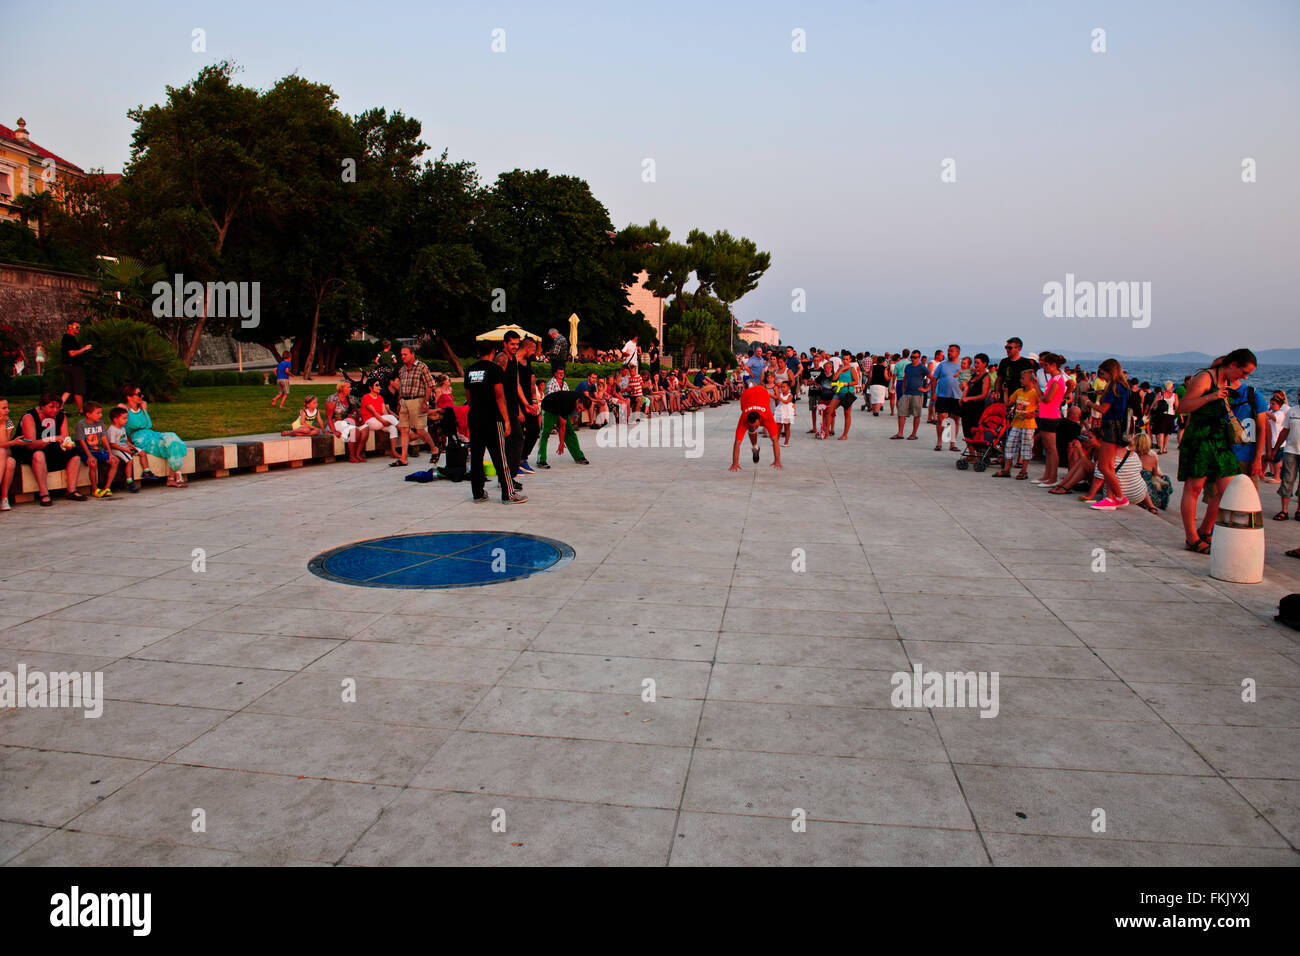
{"points": [[441, 559]]}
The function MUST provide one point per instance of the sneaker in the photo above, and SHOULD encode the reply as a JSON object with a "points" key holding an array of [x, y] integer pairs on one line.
{"points": [[4, 505], [526, 469], [479, 499], [756, 456], [132, 487], [542, 464], [1110, 504], [515, 499], [518, 486], [107, 493], [582, 461], [97, 493]]}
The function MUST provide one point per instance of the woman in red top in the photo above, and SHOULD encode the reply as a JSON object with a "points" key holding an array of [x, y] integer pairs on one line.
{"points": [[375, 416], [1049, 414]]}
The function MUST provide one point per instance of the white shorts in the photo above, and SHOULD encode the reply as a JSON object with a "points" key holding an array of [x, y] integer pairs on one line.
{"points": [[877, 393]]}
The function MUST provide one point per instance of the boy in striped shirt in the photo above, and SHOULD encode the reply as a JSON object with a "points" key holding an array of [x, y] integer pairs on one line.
{"points": [[640, 401]]}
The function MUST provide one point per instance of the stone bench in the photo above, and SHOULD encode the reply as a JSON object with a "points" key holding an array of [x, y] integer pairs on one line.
{"points": [[217, 458]]}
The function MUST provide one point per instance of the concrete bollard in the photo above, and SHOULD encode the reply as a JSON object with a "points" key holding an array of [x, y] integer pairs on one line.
{"points": [[1237, 553]]}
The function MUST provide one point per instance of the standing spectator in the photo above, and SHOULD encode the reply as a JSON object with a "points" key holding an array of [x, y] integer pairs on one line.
{"points": [[558, 409], [1277, 412], [46, 446], [558, 352], [385, 359], [74, 372], [1024, 421], [281, 381], [166, 445], [489, 424], [1251, 409], [1051, 394], [415, 393], [20, 363], [631, 353], [1009, 368], [878, 383], [1112, 432], [1288, 442], [654, 358], [1205, 453], [795, 368], [1164, 415], [974, 394], [532, 407], [915, 379], [947, 397], [756, 366], [517, 400], [931, 367], [40, 359]]}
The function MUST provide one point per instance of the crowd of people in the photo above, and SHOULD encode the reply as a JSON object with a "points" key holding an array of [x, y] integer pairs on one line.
{"points": [[1097, 433]]}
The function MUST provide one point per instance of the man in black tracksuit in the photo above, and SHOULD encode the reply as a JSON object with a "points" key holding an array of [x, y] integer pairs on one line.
{"points": [[514, 402], [489, 424]]}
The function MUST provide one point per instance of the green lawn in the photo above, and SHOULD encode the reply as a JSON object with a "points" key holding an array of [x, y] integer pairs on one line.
{"points": [[221, 411]]}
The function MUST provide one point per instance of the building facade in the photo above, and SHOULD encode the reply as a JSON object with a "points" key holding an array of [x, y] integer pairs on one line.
{"points": [[26, 168], [648, 304], [758, 332]]}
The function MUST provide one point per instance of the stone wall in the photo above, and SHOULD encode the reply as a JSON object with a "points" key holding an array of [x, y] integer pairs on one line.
{"points": [[39, 302]]}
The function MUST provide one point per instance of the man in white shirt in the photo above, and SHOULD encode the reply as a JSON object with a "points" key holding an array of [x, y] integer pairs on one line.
{"points": [[631, 352], [1288, 442], [1277, 413]]}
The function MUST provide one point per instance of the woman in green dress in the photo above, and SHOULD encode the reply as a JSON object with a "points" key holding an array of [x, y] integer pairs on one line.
{"points": [[139, 428], [1205, 452]]}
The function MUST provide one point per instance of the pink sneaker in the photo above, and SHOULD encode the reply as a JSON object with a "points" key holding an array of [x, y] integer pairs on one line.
{"points": [[1110, 504]]}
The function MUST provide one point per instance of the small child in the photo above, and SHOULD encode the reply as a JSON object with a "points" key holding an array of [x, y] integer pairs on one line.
{"points": [[120, 449], [1158, 484], [282, 381], [1024, 422], [308, 423], [92, 445], [784, 410]]}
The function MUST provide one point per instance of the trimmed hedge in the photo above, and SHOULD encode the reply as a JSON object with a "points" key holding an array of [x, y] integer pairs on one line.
{"points": [[207, 378], [25, 385]]}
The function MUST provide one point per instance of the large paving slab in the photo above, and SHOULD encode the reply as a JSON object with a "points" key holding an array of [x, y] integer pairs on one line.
{"points": [[711, 680]]}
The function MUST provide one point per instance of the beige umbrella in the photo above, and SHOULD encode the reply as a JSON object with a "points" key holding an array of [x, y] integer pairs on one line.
{"points": [[573, 335], [499, 333]]}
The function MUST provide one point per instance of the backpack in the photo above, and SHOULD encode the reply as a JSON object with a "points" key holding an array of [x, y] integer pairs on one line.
{"points": [[455, 461]]}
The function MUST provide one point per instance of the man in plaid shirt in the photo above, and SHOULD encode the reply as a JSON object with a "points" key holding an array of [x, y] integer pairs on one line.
{"points": [[556, 382], [415, 393]]}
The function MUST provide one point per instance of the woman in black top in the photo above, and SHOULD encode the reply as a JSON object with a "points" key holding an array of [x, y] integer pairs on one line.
{"points": [[974, 394], [654, 357]]}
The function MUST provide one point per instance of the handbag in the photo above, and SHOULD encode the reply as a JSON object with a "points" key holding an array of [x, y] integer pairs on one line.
{"points": [[1238, 433]]}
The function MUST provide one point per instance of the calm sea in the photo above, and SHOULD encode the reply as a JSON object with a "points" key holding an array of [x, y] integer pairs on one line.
{"points": [[1265, 378]]}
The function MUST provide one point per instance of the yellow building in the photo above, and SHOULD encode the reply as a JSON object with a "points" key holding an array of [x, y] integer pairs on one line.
{"points": [[26, 168]]}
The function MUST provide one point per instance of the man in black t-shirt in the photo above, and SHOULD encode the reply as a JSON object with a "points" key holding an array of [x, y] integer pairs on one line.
{"points": [[74, 373], [1009, 368], [489, 424], [532, 412]]}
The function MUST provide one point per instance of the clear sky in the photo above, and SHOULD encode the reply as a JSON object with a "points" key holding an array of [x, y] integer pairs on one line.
{"points": [[1117, 166]]}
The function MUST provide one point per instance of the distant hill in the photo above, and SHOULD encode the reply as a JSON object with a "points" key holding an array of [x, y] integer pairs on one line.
{"points": [[1265, 356]]}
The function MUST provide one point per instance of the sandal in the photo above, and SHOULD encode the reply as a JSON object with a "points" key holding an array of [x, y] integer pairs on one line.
{"points": [[895, 437], [1059, 491], [1000, 474], [938, 448], [74, 496], [1203, 547], [1281, 516], [398, 463], [45, 501], [911, 438], [1023, 476]]}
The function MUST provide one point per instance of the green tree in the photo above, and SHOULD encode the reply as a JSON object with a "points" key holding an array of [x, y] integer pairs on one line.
{"points": [[728, 267]]}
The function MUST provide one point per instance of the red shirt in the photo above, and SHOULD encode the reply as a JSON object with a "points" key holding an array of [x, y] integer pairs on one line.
{"points": [[372, 405], [755, 399]]}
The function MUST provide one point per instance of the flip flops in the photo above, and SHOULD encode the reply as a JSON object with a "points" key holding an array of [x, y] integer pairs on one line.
{"points": [[1281, 516], [1201, 546]]}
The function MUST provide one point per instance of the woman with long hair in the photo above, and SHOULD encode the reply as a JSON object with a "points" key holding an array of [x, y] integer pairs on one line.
{"points": [[1205, 452], [1113, 406], [1050, 398]]}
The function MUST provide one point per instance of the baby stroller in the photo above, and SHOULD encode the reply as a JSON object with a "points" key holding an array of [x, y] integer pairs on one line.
{"points": [[984, 446]]}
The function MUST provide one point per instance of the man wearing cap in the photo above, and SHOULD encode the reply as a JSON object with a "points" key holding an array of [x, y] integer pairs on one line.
{"points": [[558, 353], [74, 372]]}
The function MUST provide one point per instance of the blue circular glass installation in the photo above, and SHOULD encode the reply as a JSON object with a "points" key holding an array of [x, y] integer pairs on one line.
{"points": [[441, 559]]}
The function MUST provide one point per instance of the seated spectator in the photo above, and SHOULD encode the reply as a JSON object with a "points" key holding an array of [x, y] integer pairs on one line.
{"points": [[167, 445], [375, 416], [309, 422], [45, 445], [8, 464], [92, 446], [341, 412]]}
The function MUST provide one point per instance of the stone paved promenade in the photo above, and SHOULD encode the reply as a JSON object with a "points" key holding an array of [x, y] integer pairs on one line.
{"points": [[1119, 691]]}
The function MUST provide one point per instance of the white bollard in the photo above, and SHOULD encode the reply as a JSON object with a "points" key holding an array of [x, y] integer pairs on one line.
{"points": [[1237, 551]]}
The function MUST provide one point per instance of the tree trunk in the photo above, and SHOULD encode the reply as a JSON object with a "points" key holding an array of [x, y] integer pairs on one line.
{"points": [[311, 347], [451, 357]]}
